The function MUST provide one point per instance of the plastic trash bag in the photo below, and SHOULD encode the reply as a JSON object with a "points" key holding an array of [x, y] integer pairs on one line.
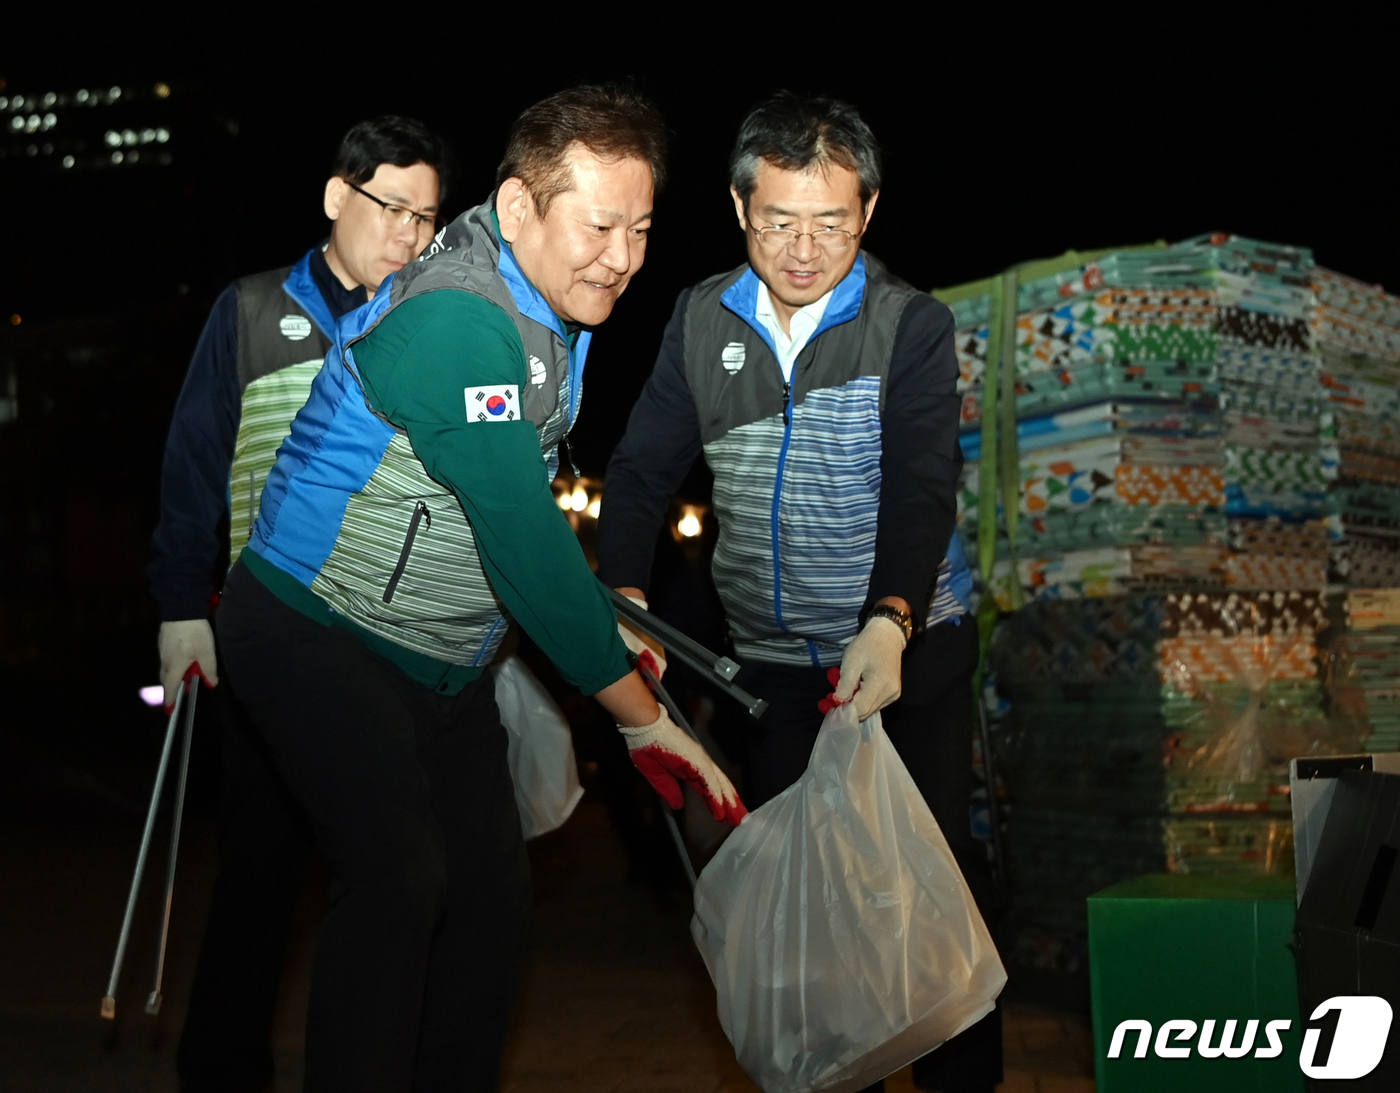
{"points": [[838, 930], [541, 749]]}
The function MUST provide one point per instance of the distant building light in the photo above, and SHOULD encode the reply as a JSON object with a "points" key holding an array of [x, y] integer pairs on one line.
{"points": [[47, 149], [153, 695], [689, 525], [4, 103], [49, 99], [578, 500], [81, 97], [15, 320], [31, 150], [68, 161], [594, 507], [133, 157], [17, 122], [112, 137], [147, 135], [50, 120], [564, 501], [128, 136], [32, 124], [114, 93], [162, 135], [117, 157], [162, 90]]}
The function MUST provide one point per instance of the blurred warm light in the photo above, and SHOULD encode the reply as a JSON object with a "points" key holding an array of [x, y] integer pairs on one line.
{"points": [[578, 500], [594, 507], [15, 320], [689, 525], [162, 90], [565, 501], [153, 695]]}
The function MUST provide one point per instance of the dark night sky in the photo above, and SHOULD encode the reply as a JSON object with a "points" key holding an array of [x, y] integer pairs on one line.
{"points": [[1003, 144]]}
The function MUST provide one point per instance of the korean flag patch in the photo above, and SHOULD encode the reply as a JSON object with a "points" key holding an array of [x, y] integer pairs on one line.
{"points": [[495, 403]]}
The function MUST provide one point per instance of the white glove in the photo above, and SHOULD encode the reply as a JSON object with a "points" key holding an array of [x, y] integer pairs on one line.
{"points": [[189, 641], [870, 668], [663, 753], [642, 645]]}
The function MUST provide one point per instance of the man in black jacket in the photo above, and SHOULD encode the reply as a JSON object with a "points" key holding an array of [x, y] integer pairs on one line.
{"points": [[251, 372], [823, 393]]}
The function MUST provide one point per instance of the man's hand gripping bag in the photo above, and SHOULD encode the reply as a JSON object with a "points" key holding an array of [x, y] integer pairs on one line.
{"points": [[838, 930], [541, 749]]}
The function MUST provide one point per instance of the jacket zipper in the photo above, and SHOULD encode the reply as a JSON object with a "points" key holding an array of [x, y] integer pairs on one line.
{"points": [[777, 494], [420, 512]]}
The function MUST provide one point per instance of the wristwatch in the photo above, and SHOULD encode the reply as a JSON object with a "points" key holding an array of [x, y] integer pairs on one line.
{"points": [[899, 617]]}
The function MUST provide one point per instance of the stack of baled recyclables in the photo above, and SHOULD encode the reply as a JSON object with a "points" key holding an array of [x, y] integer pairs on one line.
{"points": [[1356, 335], [1146, 494]]}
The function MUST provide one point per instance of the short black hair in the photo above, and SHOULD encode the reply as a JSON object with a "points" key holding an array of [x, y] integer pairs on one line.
{"points": [[396, 140], [795, 132], [613, 121]]}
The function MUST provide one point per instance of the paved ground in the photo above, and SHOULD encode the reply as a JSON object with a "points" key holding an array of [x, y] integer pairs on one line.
{"points": [[616, 998]]}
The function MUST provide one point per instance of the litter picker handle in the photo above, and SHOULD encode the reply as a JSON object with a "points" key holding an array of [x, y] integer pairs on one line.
{"points": [[717, 669], [664, 697]]}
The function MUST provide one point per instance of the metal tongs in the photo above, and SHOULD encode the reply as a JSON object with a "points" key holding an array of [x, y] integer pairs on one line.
{"points": [[712, 667], [718, 670]]}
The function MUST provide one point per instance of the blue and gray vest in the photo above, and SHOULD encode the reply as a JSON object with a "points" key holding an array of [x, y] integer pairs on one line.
{"points": [[797, 467], [284, 332], [349, 509]]}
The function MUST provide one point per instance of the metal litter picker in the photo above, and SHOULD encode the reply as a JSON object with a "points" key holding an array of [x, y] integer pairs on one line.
{"points": [[717, 669], [189, 688]]}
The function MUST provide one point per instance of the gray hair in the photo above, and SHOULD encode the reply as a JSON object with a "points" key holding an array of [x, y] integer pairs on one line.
{"points": [[795, 133]]}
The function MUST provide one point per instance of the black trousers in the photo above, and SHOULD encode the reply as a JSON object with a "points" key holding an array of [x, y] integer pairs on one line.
{"points": [[410, 798], [264, 848], [931, 729]]}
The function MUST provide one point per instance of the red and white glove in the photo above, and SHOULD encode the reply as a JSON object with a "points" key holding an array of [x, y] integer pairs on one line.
{"points": [[182, 644], [648, 650], [870, 668], [664, 753]]}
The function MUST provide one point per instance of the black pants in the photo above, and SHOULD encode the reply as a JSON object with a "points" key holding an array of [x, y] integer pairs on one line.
{"points": [[931, 729], [264, 847], [410, 798]]}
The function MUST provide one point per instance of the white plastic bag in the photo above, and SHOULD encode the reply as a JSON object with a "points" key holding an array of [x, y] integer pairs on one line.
{"points": [[838, 930], [541, 749]]}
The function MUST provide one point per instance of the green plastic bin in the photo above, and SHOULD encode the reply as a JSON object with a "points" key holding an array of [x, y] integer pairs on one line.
{"points": [[1172, 947]]}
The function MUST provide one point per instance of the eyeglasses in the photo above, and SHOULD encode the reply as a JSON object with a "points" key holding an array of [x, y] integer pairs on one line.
{"points": [[396, 216], [831, 240]]}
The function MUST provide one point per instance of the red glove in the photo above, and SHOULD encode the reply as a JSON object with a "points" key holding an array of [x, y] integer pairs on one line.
{"points": [[830, 702], [664, 753]]}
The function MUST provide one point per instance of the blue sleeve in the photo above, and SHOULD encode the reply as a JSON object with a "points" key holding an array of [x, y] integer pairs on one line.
{"points": [[188, 545], [649, 464]]}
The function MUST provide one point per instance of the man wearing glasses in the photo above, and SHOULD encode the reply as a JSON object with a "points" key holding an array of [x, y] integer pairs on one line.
{"points": [[822, 392], [251, 372]]}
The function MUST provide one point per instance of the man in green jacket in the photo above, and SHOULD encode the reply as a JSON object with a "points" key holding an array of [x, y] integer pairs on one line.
{"points": [[409, 512]]}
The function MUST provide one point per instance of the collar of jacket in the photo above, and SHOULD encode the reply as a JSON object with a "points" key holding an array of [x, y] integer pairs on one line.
{"points": [[533, 306], [742, 298], [301, 287]]}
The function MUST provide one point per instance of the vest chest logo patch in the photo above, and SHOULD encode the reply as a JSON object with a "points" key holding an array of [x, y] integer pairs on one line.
{"points": [[295, 327], [493, 403], [537, 372], [732, 357]]}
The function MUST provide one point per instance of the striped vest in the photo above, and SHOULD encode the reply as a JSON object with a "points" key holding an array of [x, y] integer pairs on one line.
{"points": [[797, 468], [284, 330], [349, 509]]}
